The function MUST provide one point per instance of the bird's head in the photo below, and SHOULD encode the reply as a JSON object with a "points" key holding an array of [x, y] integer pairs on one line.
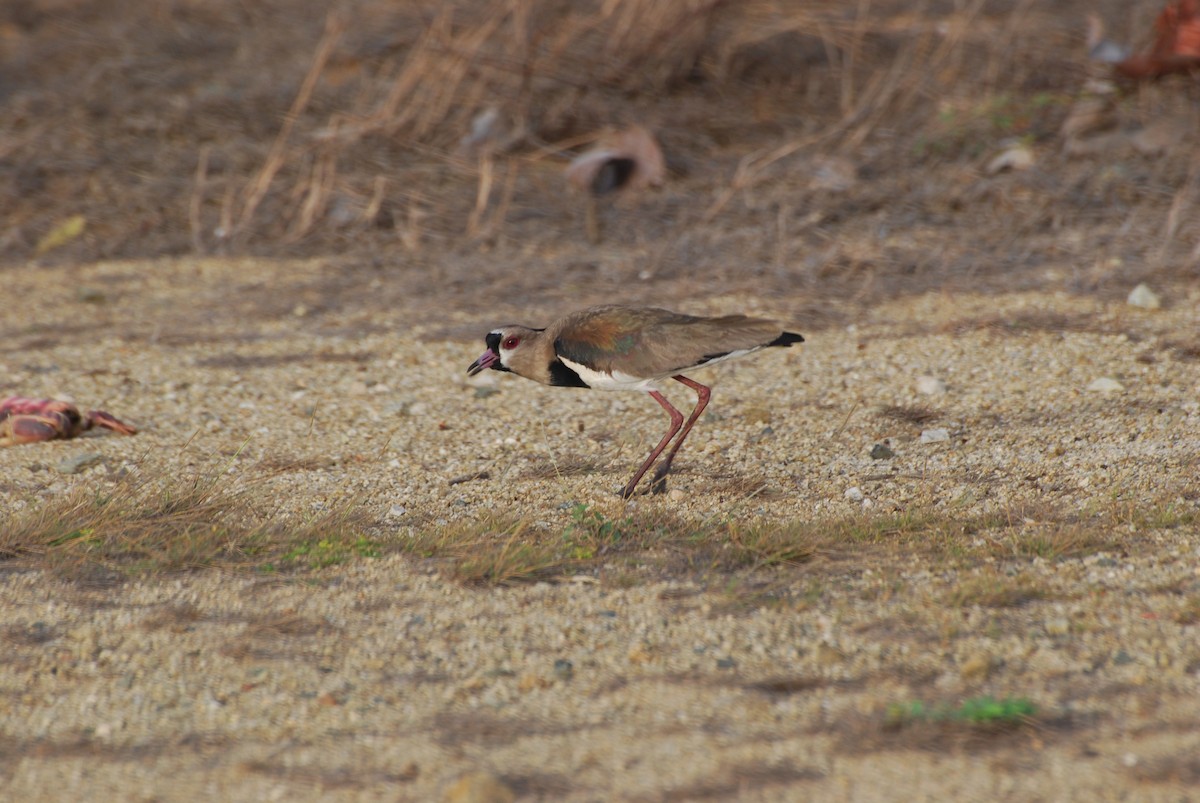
{"points": [[502, 345]]}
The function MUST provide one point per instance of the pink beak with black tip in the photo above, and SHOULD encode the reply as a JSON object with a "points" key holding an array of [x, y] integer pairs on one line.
{"points": [[488, 359]]}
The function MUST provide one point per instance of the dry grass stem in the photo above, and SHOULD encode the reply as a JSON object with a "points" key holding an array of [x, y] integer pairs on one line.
{"points": [[256, 191]]}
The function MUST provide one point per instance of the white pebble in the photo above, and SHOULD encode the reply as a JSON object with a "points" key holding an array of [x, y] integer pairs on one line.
{"points": [[934, 435], [1142, 296], [1106, 384], [930, 386], [854, 494]]}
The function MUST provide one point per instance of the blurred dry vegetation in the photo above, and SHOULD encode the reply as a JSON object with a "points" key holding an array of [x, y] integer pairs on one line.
{"points": [[824, 149]]}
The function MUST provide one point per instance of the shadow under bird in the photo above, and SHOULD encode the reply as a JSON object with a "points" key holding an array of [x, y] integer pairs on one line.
{"points": [[616, 347]]}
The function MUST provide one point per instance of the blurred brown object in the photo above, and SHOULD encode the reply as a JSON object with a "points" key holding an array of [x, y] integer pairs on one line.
{"points": [[25, 420], [627, 159], [1176, 47]]}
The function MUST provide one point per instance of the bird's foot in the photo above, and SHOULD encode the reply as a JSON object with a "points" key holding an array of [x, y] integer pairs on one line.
{"points": [[656, 486]]}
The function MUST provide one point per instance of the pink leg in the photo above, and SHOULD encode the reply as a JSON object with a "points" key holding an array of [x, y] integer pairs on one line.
{"points": [[99, 418], [703, 394], [676, 423]]}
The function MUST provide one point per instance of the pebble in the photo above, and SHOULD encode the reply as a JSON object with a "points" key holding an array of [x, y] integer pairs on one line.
{"points": [[91, 295], [1017, 156], [854, 494], [1058, 626], [480, 787], [564, 669], [930, 386], [881, 451], [1142, 296], [77, 463], [829, 656], [757, 414], [1105, 384], [976, 667], [934, 435]]}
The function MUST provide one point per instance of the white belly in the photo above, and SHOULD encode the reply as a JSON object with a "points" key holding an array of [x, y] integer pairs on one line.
{"points": [[614, 381], [621, 381]]}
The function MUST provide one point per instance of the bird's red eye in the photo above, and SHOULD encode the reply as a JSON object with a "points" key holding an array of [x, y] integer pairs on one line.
{"points": [[510, 342]]}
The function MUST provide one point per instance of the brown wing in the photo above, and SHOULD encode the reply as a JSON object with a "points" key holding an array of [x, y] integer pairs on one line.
{"points": [[653, 343]]}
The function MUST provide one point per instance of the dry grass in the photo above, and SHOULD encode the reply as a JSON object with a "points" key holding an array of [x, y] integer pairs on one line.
{"points": [[991, 589], [440, 129], [1066, 540], [565, 466], [629, 546], [493, 550], [490, 89], [137, 528], [909, 414], [134, 528]]}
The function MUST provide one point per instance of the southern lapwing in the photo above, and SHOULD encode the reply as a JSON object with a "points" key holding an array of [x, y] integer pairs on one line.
{"points": [[630, 348]]}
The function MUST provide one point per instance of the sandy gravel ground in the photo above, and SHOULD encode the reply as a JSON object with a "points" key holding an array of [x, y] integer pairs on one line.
{"points": [[383, 679]]}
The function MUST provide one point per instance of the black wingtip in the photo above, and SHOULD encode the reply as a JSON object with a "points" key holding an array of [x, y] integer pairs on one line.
{"points": [[787, 339]]}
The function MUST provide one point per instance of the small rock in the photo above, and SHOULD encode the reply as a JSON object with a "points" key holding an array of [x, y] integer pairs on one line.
{"points": [[1058, 626], [726, 663], [1142, 296], [934, 435], [564, 669], [976, 667], [930, 386], [828, 655], [1106, 384], [676, 495], [881, 451], [484, 391], [854, 494], [479, 787], [396, 511], [764, 434], [76, 464], [757, 415], [90, 295], [531, 682]]}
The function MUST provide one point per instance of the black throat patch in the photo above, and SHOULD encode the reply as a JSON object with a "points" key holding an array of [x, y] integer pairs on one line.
{"points": [[563, 377], [493, 344]]}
